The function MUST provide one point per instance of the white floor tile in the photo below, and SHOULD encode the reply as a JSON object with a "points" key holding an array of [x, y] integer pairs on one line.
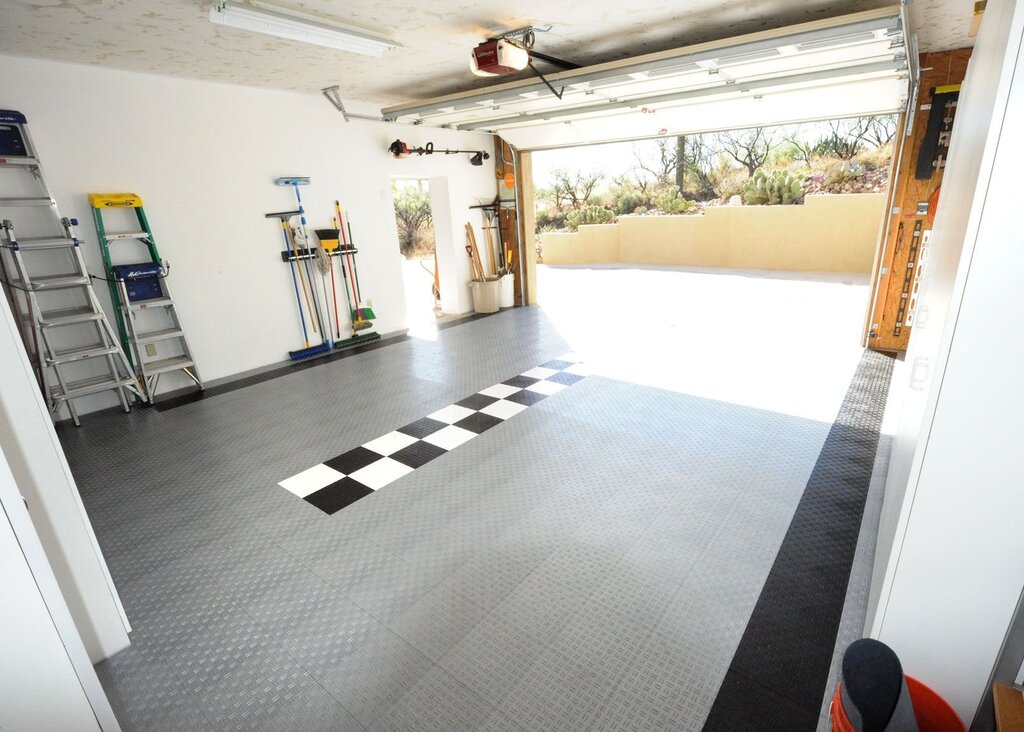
{"points": [[450, 437], [546, 387], [580, 369], [450, 414], [500, 391], [311, 480], [389, 443], [379, 474], [540, 372], [503, 409]]}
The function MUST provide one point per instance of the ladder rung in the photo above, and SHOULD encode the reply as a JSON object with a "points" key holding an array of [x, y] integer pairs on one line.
{"points": [[156, 302], [127, 235], [80, 354], [160, 335], [34, 201], [166, 364], [30, 243], [92, 385], [57, 282], [68, 316], [19, 161]]}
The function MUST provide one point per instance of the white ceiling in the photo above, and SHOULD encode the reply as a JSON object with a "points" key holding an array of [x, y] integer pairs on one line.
{"points": [[175, 37]]}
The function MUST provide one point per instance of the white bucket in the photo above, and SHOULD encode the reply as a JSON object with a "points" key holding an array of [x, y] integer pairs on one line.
{"points": [[486, 295], [508, 293]]}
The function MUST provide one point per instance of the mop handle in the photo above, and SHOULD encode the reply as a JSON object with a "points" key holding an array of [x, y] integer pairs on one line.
{"points": [[295, 282], [355, 270], [349, 259]]}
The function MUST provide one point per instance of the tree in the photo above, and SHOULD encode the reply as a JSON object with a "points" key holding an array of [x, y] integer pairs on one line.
{"points": [[800, 148], [662, 166], [844, 138], [750, 148], [573, 189], [881, 129], [699, 160], [412, 211]]}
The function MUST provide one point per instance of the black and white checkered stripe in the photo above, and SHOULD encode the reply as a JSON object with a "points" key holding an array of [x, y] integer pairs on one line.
{"points": [[342, 480]]}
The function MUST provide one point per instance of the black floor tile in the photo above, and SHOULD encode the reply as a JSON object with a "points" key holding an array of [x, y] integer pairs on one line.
{"points": [[351, 461], [478, 422], [477, 401], [337, 495], [417, 454], [525, 397], [422, 427], [521, 381]]}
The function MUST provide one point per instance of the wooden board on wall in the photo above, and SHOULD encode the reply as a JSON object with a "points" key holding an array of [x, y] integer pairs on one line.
{"points": [[507, 174], [888, 328]]}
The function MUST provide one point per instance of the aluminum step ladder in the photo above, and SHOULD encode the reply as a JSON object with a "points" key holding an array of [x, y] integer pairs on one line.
{"points": [[68, 337], [150, 330]]}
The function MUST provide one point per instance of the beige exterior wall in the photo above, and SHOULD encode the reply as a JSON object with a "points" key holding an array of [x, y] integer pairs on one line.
{"points": [[829, 233]]}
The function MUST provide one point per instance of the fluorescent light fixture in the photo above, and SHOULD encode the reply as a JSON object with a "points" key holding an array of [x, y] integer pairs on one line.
{"points": [[259, 19]]}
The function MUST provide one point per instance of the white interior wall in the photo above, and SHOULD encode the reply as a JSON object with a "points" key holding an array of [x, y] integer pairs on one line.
{"points": [[956, 569], [204, 157]]}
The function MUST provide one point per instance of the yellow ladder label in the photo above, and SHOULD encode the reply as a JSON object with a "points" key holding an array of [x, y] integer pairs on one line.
{"points": [[115, 200]]}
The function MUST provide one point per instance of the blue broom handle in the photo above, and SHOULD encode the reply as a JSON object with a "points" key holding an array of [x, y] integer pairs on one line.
{"points": [[295, 284]]}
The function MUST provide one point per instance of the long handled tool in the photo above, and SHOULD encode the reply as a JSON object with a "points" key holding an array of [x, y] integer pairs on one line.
{"points": [[292, 256], [330, 240], [361, 315], [295, 182]]}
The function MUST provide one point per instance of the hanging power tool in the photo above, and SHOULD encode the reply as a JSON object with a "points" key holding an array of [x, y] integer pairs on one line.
{"points": [[402, 150]]}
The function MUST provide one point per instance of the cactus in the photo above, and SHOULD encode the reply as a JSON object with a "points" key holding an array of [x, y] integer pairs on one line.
{"points": [[588, 215], [778, 189], [673, 203]]}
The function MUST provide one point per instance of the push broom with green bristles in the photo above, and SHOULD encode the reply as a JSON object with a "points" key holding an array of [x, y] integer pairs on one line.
{"points": [[362, 315]]}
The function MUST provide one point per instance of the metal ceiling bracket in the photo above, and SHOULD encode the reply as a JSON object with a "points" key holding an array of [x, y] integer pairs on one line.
{"points": [[333, 95], [557, 92]]}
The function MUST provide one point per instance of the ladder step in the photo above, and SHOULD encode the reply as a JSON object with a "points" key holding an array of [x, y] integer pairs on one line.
{"points": [[92, 385], [160, 335], [19, 161], [166, 364], [34, 201], [127, 235], [58, 282], [68, 316], [30, 243], [156, 302], [80, 354]]}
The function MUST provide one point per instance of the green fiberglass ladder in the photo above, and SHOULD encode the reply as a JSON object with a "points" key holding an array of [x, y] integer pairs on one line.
{"points": [[66, 334], [151, 333]]}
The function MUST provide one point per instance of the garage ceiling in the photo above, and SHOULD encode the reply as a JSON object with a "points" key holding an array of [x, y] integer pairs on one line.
{"points": [[174, 37], [856, 64]]}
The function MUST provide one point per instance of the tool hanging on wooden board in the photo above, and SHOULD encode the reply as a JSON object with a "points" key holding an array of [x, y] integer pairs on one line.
{"points": [[474, 252]]}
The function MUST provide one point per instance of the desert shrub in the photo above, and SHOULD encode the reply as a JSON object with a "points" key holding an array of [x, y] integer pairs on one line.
{"points": [[779, 188], [588, 215], [640, 210], [624, 199], [550, 219]]}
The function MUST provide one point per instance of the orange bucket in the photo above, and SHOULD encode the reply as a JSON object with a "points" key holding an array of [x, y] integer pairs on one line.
{"points": [[933, 713]]}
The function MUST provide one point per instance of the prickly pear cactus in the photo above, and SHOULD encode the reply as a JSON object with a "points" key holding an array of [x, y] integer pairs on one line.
{"points": [[778, 189], [588, 215]]}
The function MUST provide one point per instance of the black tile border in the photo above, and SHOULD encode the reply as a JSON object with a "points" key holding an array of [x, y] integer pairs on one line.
{"points": [[777, 677], [189, 396]]}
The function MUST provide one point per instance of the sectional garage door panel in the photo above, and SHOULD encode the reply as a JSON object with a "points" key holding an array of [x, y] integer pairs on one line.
{"points": [[852, 65]]}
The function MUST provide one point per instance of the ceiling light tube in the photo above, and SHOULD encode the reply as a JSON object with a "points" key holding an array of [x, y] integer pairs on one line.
{"points": [[297, 28]]}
